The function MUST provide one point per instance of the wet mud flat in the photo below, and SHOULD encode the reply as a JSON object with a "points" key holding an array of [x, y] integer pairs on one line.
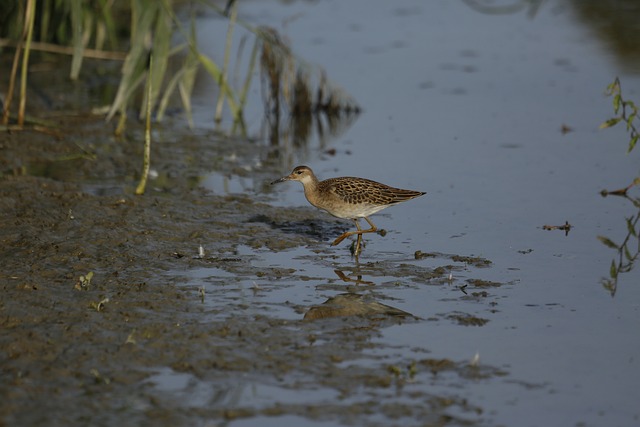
{"points": [[102, 325]]}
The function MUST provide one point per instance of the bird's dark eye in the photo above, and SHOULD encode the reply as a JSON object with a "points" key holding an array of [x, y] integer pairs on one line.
{"points": [[299, 172]]}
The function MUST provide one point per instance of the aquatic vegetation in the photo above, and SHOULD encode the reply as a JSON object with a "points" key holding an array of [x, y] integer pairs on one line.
{"points": [[625, 111], [628, 250], [85, 29]]}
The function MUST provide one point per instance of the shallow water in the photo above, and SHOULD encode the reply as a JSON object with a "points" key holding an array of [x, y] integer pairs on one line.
{"points": [[470, 106]]}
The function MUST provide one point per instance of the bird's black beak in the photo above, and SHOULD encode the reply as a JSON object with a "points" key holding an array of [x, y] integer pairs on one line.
{"points": [[283, 179]]}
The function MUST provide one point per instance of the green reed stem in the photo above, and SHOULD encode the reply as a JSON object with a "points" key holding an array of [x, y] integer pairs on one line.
{"points": [[76, 31], [225, 65], [146, 162]]}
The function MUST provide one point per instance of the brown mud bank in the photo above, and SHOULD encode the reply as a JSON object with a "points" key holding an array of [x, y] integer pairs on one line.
{"points": [[108, 348]]}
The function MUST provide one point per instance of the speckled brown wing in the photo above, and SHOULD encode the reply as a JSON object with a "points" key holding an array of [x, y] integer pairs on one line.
{"points": [[359, 190]]}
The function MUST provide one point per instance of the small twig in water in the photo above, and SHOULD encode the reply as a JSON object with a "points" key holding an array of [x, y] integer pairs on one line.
{"points": [[566, 227]]}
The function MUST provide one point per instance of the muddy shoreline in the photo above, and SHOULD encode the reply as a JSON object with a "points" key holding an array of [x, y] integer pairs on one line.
{"points": [[76, 352], [142, 342]]}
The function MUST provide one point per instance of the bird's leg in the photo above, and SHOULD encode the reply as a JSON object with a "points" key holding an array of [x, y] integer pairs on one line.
{"points": [[373, 228], [358, 248], [359, 232], [346, 234]]}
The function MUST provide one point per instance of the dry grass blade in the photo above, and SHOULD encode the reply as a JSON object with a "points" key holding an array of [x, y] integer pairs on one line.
{"points": [[29, 20], [290, 83], [66, 50]]}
